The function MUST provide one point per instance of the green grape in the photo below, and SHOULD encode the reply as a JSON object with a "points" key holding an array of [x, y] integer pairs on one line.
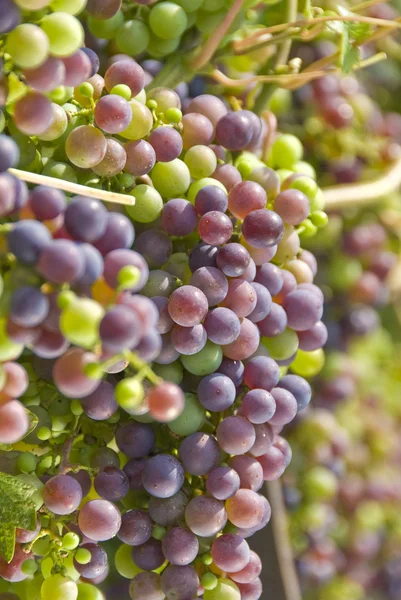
{"points": [[308, 364], [318, 202], [145, 418], [70, 540], [60, 170], [129, 393], [286, 151], [28, 46], [201, 161], [172, 372], [26, 148], [306, 185], [209, 581], [319, 483], [319, 218], [283, 174], [26, 462], [57, 587], [58, 126], [121, 90], [189, 5], [106, 29], [72, 7], [304, 168], [41, 546], [70, 570], [133, 37], [148, 204], [204, 362], [124, 563], [168, 20], [79, 322], [280, 101], [43, 433], [174, 115], [201, 183], [171, 179], [83, 556], [29, 567], [76, 408], [9, 350], [32, 587], [207, 22], [61, 94], [191, 419], [178, 265], [369, 516], [213, 5], [65, 33], [344, 272], [282, 346], [159, 532], [224, 590], [157, 47], [128, 277], [141, 124], [87, 591]]}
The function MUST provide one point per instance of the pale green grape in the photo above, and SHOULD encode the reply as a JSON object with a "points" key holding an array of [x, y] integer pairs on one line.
{"points": [[282, 346], [60, 170], [305, 168], [9, 350], [133, 37], [189, 5], [87, 591], [286, 151], [224, 590], [129, 393], [148, 204], [124, 563], [192, 417], [168, 20], [178, 265], [106, 28], [57, 587], [308, 364], [79, 322], [58, 126], [37, 497], [201, 183], [201, 161], [172, 372], [28, 46], [65, 33], [141, 124], [204, 362], [171, 179], [46, 566], [72, 7], [158, 47]]}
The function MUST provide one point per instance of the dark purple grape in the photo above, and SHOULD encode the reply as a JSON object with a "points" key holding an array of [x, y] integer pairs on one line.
{"points": [[203, 255], [180, 546], [47, 203], [222, 326], [313, 338], [101, 404], [211, 198], [258, 406], [10, 16], [141, 158], [111, 484], [85, 219], [120, 329], [275, 323], [93, 57], [149, 556], [303, 309], [262, 228], [215, 228], [263, 303], [234, 130], [93, 265], [155, 246], [262, 372], [299, 388], [222, 483], [166, 142], [234, 369], [29, 306], [136, 527], [180, 582], [26, 241], [112, 113], [78, 68], [212, 282], [9, 153], [233, 259], [133, 470], [61, 262], [119, 234], [97, 564], [188, 340], [168, 511], [135, 439], [270, 276], [179, 218], [163, 476]]}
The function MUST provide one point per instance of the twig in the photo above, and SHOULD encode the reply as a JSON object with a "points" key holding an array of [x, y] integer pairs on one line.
{"points": [[285, 48], [282, 542], [361, 194], [65, 453], [73, 188], [214, 40], [271, 122], [283, 79], [367, 4]]}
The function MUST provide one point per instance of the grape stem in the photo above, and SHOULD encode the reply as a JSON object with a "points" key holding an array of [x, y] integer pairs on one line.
{"points": [[73, 188], [140, 365], [282, 542], [362, 194], [207, 51]]}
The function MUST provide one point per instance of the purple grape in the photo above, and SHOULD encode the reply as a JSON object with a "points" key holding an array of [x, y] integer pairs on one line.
{"points": [[197, 130], [284, 447], [142, 307], [270, 276], [299, 388], [168, 511], [136, 527], [93, 57], [163, 476], [98, 562], [104, 457], [167, 353], [188, 340], [149, 556], [212, 282], [127, 72], [313, 338], [211, 198], [216, 392], [246, 344], [263, 303], [205, 516], [85, 219], [155, 246], [273, 464], [146, 586], [119, 234], [26, 241], [29, 306], [246, 197], [62, 495], [179, 583], [234, 369], [230, 552], [78, 68], [222, 483], [111, 484], [46, 203], [252, 590], [135, 439], [228, 175], [303, 309], [10, 16], [249, 471], [93, 265], [9, 153], [117, 259], [61, 262], [235, 435], [292, 206], [210, 106], [275, 323], [241, 297], [264, 439], [99, 520], [234, 130], [199, 453], [179, 217], [233, 259], [250, 272], [33, 113], [84, 481], [286, 407], [215, 228], [250, 572], [222, 326], [120, 329], [166, 142], [262, 372], [133, 470], [187, 306], [112, 113], [165, 322], [141, 158], [101, 404], [262, 228], [203, 255], [258, 406], [180, 546]]}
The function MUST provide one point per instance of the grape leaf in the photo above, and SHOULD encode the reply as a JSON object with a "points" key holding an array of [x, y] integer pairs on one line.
{"points": [[16, 507], [7, 541], [350, 58]]}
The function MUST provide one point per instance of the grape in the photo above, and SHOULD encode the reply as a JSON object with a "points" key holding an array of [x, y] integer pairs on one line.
{"points": [[146, 586], [24, 536], [86, 146], [166, 402], [167, 353], [210, 198], [62, 495], [197, 130], [286, 407], [14, 423], [58, 125], [188, 340], [228, 175], [205, 516], [191, 419], [136, 528], [262, 228], [216, 392], [148, 204], [103, 9], [46, 203], [168, 20], [117, 259], [222, 483], [97, 564], [209, 106], [141, 158], [149, 556], [27, 44], [133, 470], [199, 453], [299, 388], [164, 97], [246, 343], [264, 439], [230, 552], [135, 439], [262, 372], [104, 457], [275, 323], [65, 33], [155, 246], [250, 572], [179, 582], [57, 587], [69, 375], [9, 153], [163, 476], [120, 329], [16, 380], [234, 130], [165, 322], [111, 484], [245, 509], [8, 189], [273, 463], [249, 470], [33, 113], [285, 448], [258, 406], [303, 309], [179, 218], [107, 28], [215, 228], [234, 369], [292, 206], [10, 16], [263, 303], [203, 255], [241, 298], [233, 259], [246, 197], [235, 435], [212, 282], [99, 520], [166, 142], [168, 511], [85, 219], [78, 68], [119, 234], [225, 590], [112, 114], [50, 344], [29, 307], [270, 276], [180, 546], [204, 362], [113, 161], [187, 306]]}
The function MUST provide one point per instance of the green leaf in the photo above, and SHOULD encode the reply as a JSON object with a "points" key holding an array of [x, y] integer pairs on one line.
{"points": [[359, 31], [16, 507], [7, 541], [351, 58]]}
